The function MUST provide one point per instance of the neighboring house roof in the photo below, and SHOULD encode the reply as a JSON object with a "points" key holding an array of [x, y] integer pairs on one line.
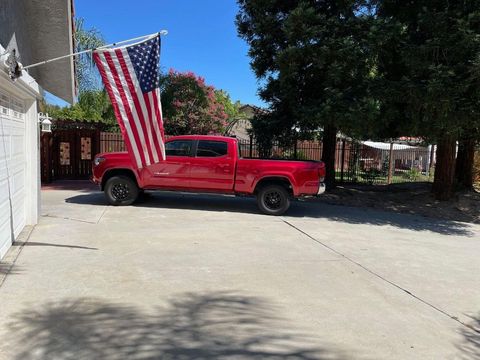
{"points": [[41, 30], [409, 139], [251, 110]]}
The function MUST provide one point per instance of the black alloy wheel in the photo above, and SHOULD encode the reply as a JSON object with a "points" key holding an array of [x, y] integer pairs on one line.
{"points": [[273, 200], [121, 190]]}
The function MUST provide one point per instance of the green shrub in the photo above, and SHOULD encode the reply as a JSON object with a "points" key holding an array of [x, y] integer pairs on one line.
{"points": [[371, 175], [290, 154], [413, 174]]}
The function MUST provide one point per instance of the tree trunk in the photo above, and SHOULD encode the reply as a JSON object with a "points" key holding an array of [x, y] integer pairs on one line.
{"points": [[464, 163], [328, 153], [444, 168]]}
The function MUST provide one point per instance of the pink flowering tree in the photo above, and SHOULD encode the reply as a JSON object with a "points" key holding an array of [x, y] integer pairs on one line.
{"points": [[190, 106]]}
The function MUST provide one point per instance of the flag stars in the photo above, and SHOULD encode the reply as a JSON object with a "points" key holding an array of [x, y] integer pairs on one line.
{"points": [[145, 57]]}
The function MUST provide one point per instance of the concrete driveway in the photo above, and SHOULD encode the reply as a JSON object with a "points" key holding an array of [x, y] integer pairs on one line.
{"points": [[207, 277]]}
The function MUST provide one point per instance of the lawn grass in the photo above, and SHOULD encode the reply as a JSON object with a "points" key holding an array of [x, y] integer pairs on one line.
{"points": [[398, 177]]}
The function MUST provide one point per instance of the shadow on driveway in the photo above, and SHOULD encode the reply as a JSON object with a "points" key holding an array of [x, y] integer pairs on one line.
{"points": [[299, 209], [35, 243], [9, 269], [77, 185], [193, 326], [470, 347]]}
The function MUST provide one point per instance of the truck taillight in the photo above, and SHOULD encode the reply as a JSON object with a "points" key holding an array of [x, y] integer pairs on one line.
{"points": [[321, 173]]}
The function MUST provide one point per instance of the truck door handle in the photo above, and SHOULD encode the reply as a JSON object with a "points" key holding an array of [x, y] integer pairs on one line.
{"points": [[161, 173], [225, 167]]}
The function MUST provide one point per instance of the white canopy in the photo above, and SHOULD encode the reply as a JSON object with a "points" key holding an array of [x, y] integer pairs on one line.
{"points": [[386, 146]]}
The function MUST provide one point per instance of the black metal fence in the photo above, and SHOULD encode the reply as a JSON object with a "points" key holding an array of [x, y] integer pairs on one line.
{"points": [[357, 162]]}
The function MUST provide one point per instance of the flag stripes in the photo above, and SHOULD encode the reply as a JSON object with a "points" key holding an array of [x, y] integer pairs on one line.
{"points": [[136, 105]]}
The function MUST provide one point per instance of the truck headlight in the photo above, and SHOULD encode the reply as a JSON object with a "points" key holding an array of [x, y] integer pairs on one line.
{"points": [[98, 160]]}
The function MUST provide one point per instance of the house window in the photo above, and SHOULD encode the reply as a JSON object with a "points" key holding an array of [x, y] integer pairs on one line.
{"points": [[11, 106]]}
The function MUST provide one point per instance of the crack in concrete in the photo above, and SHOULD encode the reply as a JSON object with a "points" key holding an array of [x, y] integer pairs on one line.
{"points": [[79, 220], [425, 302], [101, 216], [71, 219]]}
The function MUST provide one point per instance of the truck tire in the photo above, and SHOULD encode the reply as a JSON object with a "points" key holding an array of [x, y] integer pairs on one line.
{"points": [[121, 190], [273, 200]]}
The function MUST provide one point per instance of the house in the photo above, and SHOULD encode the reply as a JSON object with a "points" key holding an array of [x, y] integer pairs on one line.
{"points": [[34, 30], [241, 126]]}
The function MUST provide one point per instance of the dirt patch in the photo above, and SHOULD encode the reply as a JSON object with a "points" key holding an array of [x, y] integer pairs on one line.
{"points": [[413, 198]]}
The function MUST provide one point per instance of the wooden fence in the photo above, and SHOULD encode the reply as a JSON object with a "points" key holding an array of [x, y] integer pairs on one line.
{"points": [[111, 142], [68, 153]]}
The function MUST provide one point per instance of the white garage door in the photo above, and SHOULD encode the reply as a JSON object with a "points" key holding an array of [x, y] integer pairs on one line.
{"points": [[12, 169]]}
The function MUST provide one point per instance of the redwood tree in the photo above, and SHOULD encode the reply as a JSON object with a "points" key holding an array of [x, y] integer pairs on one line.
{"points": [[444, 168], [436, 57], [464, 172], [313, 62]]}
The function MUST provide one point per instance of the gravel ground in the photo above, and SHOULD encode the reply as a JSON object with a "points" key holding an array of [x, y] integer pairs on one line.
{"points": [[412, 198]]}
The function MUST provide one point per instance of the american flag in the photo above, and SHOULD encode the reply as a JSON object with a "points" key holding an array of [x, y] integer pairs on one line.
{"points": [[131, 77]]}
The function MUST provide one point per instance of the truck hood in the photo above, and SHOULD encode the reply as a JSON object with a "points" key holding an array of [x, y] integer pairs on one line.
{"points": [[113, 155]]}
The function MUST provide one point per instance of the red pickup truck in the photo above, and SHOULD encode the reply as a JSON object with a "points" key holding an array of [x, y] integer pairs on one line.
{"points": [[213, 164]]}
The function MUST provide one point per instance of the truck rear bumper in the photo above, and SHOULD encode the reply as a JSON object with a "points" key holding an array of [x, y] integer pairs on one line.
{"points": [[321, 189]]}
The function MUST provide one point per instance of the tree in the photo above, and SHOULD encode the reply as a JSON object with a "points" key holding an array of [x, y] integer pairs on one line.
{"points": [[92, 105], [464, 166], [232, 109], [93, 102], [430, 70], [87, 74], [190, 106], [313, 59]]}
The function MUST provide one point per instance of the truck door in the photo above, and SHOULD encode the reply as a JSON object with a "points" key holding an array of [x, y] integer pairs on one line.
{"points": [[174, 172], [213, 166]]}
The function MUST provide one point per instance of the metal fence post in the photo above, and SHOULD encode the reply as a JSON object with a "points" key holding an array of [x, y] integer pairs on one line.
{"points": [[251, 146], [390, 164], [427, 167]]}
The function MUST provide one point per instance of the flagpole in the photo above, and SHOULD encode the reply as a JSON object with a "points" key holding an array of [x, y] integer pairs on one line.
{"points": [[161, 32]]}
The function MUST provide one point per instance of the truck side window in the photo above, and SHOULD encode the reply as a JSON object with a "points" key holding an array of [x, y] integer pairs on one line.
{"points": [[207, 148], [178, 148]]}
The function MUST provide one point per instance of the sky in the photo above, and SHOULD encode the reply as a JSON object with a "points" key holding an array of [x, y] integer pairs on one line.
{"points": [[202, 38]]}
